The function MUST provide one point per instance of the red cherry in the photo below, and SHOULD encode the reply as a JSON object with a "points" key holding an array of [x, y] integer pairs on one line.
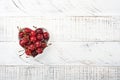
{"points": [[39, 30], [39, 50], [26, 30], [44, 45], [21, 34], [37, 44], [26, 46], [28, 52], [34, 53], [40, 37], [46, 35], [34, 42], [27, 36], [31, 47], [33, 33], [23, 41], [32, 38]]}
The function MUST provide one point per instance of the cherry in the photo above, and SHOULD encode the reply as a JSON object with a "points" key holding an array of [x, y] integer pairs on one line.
{"points": [[39, 30], [33, 33], [21, 34], [33, 39], [31, 47], [46, 35], [34, 53], [27, 36], [44, 45], [26, 30], [40, 37], [37, 44], [39, 50], [23, 41], [28, 51], [26, 46]]}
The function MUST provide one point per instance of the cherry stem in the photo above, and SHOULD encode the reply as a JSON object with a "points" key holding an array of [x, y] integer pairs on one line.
{"points": [[49, 44], [18, 28], [23, 59], [21, 54], [27, 57], [20, 50], [35, 27]]}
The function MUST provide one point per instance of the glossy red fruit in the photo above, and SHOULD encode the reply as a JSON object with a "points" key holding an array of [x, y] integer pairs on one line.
{"points": [[39, 50], [33, 39], [34, 53], [28, 52], [40, 37], [26, 30], [46, 35], [39, 30], [21, 35], [23, 41], [31, 47], [37, 44], [43, 45], [26, 46], [33, 33]]}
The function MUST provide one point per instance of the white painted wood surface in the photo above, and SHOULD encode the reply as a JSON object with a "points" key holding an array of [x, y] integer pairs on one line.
{"points": [[75, 40], [96, 45], [61, 7], [59, 72]]}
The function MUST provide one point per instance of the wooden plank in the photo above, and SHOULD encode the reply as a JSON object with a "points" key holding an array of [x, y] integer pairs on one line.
{"points": [[79, 53], [59, 72], [64, 28], [62, 7]]}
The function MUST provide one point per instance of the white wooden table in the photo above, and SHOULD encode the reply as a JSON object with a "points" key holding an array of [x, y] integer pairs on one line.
{"points": [[88, 42], [59, 8], [85, 37], [59, 72]]}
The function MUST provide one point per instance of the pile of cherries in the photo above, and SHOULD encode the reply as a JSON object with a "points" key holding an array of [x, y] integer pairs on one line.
{"points": [[33, 41]]}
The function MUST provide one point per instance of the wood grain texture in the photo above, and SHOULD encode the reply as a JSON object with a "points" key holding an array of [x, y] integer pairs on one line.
{"points": [[75, 40], [59, 72], [82, 53], [61, 7], [65, 28], [97, 35]]}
